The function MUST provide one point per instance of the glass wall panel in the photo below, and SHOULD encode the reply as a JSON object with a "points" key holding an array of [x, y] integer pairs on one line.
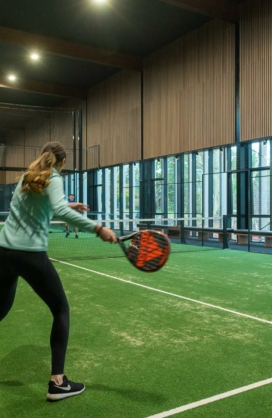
{"points": [[84, 187], [98, 184], [217, 183], [159, 188], [126, 192], [199, 174], [232, 206], [187, 186], [255, 155], [115, 191], [107, 194], [206, 185], [172, 187], [135, 191], [260, 186], [260, 181], [233, 162], [265, 154], [196, 182]]}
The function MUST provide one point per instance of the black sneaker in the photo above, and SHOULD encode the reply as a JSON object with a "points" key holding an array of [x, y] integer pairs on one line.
{"points": [[67, 389], [76, 236], [67, 234]]}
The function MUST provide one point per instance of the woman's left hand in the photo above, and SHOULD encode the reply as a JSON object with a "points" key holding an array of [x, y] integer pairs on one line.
{"points": [[80, 207]]}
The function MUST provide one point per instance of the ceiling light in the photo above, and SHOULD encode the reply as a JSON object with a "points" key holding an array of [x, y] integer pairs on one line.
{"points": [[12, 77], [34, 56], [100, 1]]}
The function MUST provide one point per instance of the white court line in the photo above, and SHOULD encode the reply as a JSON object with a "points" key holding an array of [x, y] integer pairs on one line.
{"points": [[166, 293], [211, 399]]}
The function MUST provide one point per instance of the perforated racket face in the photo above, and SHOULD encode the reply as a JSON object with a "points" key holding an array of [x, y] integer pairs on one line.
{"points": [[149, 250]]}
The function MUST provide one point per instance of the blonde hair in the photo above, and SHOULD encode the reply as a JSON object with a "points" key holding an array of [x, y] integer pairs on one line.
{"points": [[38, 174]]}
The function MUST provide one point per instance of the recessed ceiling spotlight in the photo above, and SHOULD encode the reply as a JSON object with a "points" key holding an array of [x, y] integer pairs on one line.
{"points": [[12, 77], [34, 56], [100, 1]]}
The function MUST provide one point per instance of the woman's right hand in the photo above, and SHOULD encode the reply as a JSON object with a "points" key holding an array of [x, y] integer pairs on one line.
{"points": [[105, 234]]}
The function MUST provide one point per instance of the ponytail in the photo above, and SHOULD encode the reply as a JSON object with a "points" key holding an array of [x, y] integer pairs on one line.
{"points": [[38, 174]]}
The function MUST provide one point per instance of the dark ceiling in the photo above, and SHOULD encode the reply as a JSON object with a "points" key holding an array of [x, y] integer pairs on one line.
{"points": [[82, 43], [136, 27]]}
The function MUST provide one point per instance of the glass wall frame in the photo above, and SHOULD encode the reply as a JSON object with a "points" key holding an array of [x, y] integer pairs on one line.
{"points": [[208, 183]]}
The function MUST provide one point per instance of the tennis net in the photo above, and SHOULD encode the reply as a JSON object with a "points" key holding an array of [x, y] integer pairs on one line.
{"points": [[186, 235]]}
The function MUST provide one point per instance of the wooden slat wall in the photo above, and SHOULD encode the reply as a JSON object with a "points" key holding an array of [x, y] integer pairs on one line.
{"points": [[256, 69], [13, 176], [75, 105], [14, 154], [2, 177], [31, 154], [189, 92], [2, 164], [114, 118], [2, 155], [24, 146], [37, 131], [62, 131]]}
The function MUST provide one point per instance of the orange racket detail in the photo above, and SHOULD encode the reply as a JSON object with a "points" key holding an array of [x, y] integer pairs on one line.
{"points": [[148, 250]]}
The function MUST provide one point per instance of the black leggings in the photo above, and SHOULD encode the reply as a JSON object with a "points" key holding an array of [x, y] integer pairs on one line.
{"points": [[40, 274]]}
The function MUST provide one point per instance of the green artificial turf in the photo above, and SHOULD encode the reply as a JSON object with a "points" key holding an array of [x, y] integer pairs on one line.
{"points": [[140, 351]]}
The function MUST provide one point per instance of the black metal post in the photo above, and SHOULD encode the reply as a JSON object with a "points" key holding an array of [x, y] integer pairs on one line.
{"points": [[80, 150], [225, 232], [74, 152]]}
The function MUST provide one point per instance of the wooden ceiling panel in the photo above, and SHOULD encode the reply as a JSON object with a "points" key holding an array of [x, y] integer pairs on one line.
{"points": [[44, 88], [223, 9], [69, 49]]}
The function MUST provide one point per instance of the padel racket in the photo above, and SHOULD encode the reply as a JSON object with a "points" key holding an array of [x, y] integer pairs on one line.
{"points": [[148, 250]]}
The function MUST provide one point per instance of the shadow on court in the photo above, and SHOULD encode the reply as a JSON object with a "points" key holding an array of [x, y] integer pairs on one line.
{"points": [[134, 395], [26, 364], [22, 383]]}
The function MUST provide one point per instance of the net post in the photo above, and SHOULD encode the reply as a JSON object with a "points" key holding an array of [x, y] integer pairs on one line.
{"points": [[225, 232]]}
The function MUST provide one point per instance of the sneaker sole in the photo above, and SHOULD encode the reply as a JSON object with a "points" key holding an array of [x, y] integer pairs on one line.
{"points": [[58, 397]]}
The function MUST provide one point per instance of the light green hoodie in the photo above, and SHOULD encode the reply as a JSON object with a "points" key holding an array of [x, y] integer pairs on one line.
{"points": [[27, 225]]}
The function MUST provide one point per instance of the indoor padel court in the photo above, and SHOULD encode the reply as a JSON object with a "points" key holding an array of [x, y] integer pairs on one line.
{"points": [[135, 209]]}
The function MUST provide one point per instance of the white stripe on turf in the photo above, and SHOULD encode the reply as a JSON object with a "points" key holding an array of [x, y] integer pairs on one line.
{"points": [[211, 399], [166, 293]]}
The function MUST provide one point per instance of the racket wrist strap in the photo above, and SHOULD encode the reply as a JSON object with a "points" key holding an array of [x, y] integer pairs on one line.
{"points": [[98, 230]]}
